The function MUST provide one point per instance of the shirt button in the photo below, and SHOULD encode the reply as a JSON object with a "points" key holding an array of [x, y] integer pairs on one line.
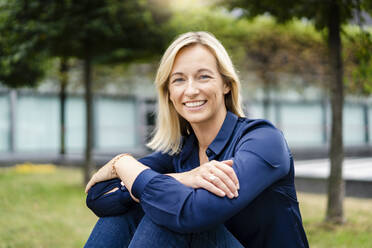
{"points": [[209, 152], [122, 188]]}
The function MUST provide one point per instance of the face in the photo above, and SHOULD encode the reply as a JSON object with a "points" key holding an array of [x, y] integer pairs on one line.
{"points": [[196, 87]]}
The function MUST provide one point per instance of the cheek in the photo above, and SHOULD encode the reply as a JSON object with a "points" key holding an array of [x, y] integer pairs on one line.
{"points": [[172, 96]]}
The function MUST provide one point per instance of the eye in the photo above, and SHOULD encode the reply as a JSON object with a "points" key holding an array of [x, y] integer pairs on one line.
{"points": [[205, 76], [177, 80]]}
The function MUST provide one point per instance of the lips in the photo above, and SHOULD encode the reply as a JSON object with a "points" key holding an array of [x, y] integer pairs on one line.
{"points": [[195, 104]]}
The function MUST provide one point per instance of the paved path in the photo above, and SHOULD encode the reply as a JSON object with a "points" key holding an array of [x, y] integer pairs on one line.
{"points": [[353, 169]]}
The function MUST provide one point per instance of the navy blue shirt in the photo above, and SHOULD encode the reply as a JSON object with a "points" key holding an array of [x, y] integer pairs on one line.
{"points": [[266, 212]]}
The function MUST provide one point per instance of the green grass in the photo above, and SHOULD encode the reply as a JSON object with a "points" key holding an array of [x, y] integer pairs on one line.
{"points": [[356, 232], [43, 210], [48, 210]]}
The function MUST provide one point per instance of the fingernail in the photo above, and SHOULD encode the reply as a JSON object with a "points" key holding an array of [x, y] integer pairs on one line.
{"points": [[223, 194], [236, 194], [238, 186], [231, 195]]}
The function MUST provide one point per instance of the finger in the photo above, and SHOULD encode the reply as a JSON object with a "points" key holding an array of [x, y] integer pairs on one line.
{"points": [[205, 184], [229, 172], [224, 182], [228, 162], [91, 182], [89, 185]]}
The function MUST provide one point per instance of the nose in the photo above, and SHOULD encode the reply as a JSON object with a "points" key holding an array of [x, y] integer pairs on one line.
{"points": [[191, 89]]}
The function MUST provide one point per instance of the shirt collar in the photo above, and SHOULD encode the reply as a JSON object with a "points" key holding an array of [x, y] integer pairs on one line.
{"points": [[224, 134], [219, 142]]}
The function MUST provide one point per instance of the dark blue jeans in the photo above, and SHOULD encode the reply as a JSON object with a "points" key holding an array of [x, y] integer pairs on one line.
{"points": [[134, 230]]}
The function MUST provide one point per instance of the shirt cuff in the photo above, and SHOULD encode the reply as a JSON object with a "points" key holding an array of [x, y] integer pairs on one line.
{"points": [[141, 181]]}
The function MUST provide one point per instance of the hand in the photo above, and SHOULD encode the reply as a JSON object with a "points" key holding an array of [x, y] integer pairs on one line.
{"points": [[106, 172], [216, 177]]}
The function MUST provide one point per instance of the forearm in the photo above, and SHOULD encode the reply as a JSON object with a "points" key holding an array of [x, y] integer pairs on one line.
{"points": [[178, 176], [170, 203], [128, 168], [108, 197]]}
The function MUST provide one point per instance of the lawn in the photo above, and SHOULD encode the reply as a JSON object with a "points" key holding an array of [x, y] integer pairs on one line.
{"points": [[46, 208]]}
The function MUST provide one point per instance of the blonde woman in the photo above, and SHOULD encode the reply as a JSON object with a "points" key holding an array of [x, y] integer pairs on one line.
{"points": [[216, 178]]}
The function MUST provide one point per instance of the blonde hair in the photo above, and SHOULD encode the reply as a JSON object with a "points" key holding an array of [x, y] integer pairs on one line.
{"points": [[170, 126]]}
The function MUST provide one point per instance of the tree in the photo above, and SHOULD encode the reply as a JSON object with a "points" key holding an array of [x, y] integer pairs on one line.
{"points": [[273, 49], [20, 64], [358, 58], [327, 15], [94, 31]]}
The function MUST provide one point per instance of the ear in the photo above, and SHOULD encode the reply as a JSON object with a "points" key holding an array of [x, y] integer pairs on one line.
{"points": [[226, 88]]}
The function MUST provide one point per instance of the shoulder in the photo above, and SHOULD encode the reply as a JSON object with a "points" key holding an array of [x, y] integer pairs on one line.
{"points": [[257, 129], [262, 138]]}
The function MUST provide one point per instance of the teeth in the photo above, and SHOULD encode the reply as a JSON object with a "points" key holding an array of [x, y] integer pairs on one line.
{"points": [[194, 104]]}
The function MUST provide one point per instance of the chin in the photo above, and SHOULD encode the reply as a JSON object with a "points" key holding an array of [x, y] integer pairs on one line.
{"points": [[196, 118]]}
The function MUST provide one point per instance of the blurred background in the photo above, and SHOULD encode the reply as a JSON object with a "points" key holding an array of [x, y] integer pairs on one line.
{"points": [[76, 81], [50, 56]]}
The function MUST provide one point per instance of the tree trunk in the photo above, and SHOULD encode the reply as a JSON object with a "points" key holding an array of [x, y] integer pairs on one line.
{"points": [[62, 98], [266, 94], [89, 120], [336, 185]]}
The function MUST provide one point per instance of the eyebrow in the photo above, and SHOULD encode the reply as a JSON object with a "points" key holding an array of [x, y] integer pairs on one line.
{"points": [[200, 70]]}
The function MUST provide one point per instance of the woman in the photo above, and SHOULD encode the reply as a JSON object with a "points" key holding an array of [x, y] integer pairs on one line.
{"points": [[217, 179]]}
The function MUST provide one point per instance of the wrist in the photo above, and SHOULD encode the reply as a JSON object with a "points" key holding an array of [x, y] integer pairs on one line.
{"points": [[178, 176], [118, 159], [127, 169]]}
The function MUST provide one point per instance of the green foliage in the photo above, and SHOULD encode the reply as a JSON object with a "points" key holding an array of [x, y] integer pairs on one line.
{"points": [[103, 31], [359, 63], [20, 65], [219, 24], [89, 27], [261, 44], [285, 10]]}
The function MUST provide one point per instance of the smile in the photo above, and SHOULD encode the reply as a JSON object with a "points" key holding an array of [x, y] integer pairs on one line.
{"points": [[195, 104]]}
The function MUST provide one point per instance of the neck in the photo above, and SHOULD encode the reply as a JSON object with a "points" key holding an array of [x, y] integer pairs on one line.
{"points": [[206, 132]]}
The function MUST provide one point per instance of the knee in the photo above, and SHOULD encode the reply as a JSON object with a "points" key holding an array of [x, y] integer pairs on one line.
{"points": [[130, 218]]}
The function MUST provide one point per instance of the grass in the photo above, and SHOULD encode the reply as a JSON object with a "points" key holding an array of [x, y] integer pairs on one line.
{"points": [[356, 232], [46, 208], [43, 209]]}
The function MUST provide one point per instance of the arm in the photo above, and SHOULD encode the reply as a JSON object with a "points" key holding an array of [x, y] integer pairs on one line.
{"points": [[217, 177], [260, 160], [109, 197]]}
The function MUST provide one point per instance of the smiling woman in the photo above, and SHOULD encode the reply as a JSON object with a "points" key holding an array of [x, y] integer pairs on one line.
{"points": [[216, 178], [196, 88]]}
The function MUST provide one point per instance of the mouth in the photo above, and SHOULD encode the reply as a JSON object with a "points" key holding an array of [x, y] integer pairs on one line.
{"points": [[195, 104]]}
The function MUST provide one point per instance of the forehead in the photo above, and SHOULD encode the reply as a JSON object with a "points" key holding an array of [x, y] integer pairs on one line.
{"points": [[194, 57]]}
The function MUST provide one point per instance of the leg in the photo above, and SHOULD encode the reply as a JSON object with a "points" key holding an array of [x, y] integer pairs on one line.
{"points": [[149, 234], [115, 231], [218, 237]]}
